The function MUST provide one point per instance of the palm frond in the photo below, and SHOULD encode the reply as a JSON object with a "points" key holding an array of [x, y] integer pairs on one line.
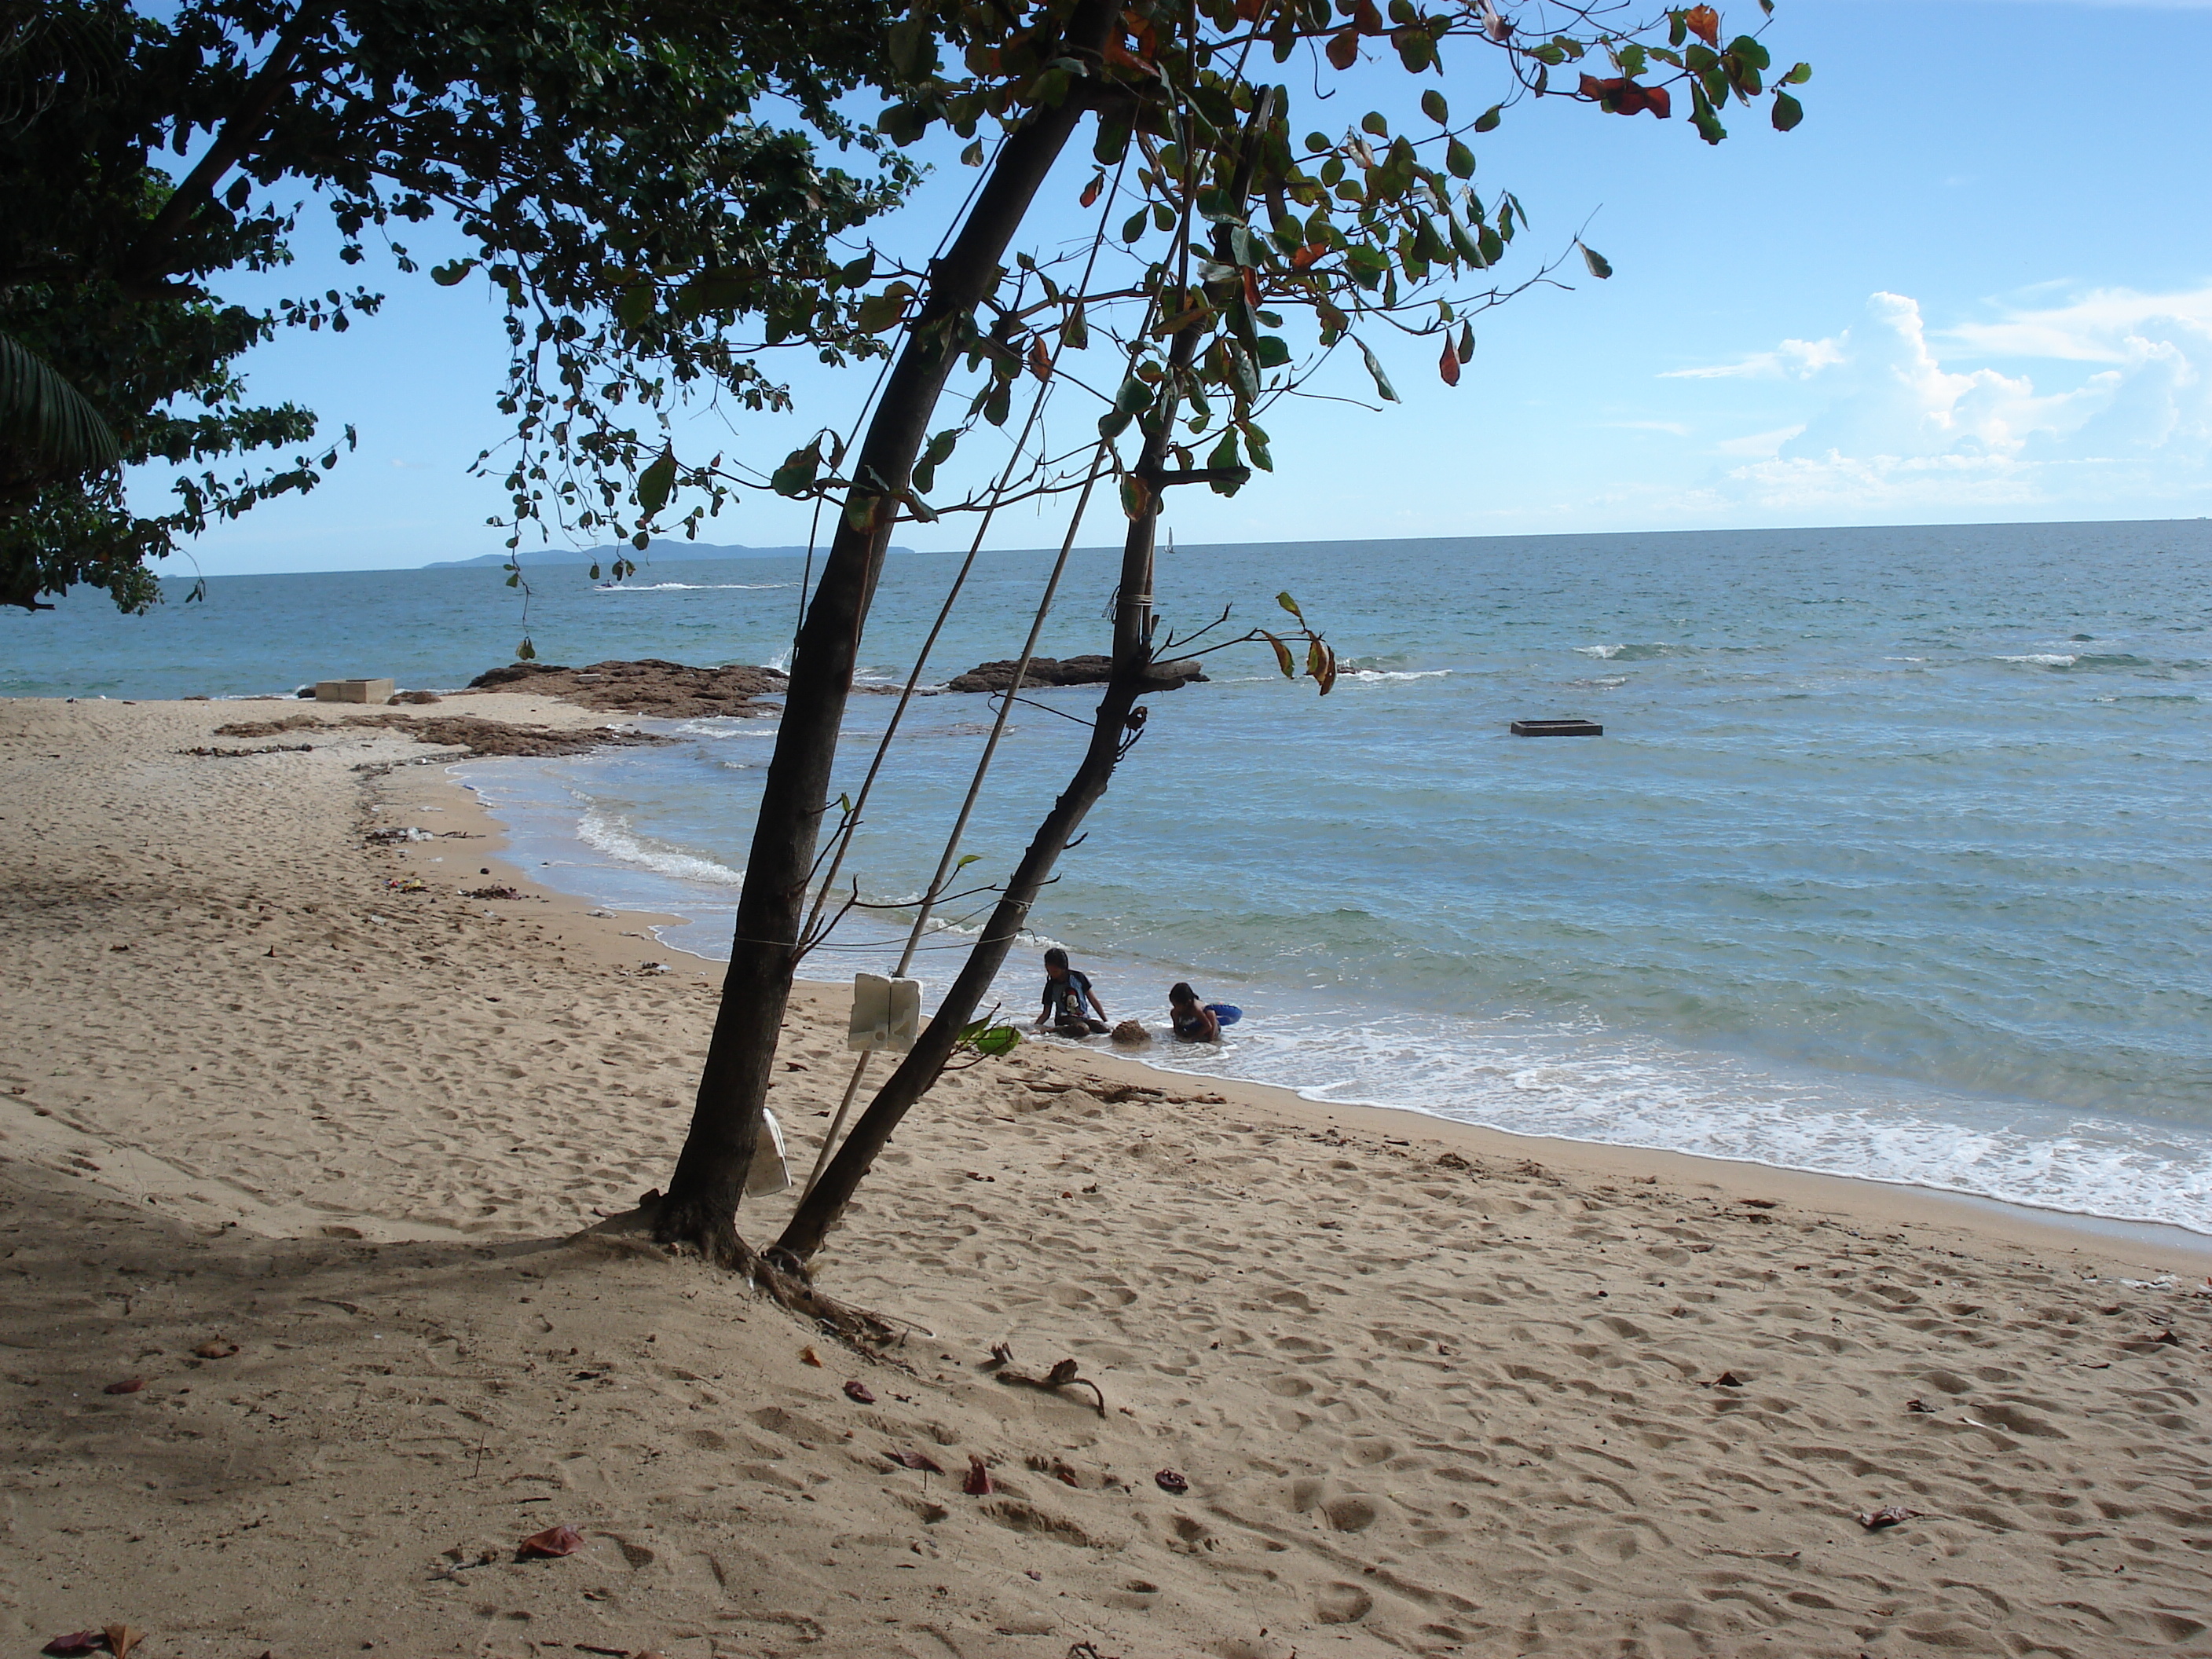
{"points": [[43, 414]]}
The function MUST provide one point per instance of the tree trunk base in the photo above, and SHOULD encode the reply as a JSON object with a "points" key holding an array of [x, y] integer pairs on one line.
{"points": [[687, 1230]]}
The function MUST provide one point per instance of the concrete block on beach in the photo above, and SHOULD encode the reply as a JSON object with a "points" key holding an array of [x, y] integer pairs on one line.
{"points": [[354, 690]]}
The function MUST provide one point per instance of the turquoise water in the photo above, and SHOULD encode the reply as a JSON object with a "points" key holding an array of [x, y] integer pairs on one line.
{"points": [[1893, 860]]}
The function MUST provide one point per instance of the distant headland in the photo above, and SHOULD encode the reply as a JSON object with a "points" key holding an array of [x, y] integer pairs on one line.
{"points": [[657, 551]]}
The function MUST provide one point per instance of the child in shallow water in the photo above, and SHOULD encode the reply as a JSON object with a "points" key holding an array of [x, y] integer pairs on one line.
{"points": [[1071, 1007], [1193, 1022]]}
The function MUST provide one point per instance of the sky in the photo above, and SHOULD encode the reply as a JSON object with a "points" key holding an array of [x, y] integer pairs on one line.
{"points": [[1974, 286]]}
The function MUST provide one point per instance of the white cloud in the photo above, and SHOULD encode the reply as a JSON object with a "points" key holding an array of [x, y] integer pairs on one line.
{"points": [[1793, 360], [1889, 423]]}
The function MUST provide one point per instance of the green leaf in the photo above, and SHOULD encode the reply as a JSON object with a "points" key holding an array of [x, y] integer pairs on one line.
{"points": [[1799, 75], [1459, 160], [1283, 657], [1133, 227], [1787, 111], [451, 271], [796, 474], [1598, 266], [1488, 120], [985, 1038], [1290, 605], [1113, 423], [882, 311], [525, 651], [1113, 141], [654, 484], [1382, 387], [1273, 351], [1373, 122], [1433, 106]]}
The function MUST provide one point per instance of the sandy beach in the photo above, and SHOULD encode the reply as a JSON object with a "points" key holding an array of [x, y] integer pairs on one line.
{"points": [[300, 1342]]}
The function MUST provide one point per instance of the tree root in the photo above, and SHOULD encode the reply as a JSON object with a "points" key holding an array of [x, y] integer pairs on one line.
{"points": [[775, 1274], [1062, 1375]]}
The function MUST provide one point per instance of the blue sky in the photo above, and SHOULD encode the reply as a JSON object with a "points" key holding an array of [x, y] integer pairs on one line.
{"points": [[1976, 285]]}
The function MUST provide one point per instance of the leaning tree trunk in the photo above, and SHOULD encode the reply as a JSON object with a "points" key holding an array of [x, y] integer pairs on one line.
{"points": [[1110, 733], [700, 1205]]}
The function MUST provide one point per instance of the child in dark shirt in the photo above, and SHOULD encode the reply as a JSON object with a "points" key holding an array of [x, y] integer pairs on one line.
{"points": [[1071, 1007]]}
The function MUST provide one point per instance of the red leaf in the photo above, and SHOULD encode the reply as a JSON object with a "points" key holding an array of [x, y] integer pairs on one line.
{"points": [[553, 1542], [77, 1642], [1622, 96], [1169, 1481], [1308, 255], [1703, 22], [1251, 289], [978, 1482], [128, 1385], [1040, 359], [1250, 10], [914, 1460], [1343, 48], [1091, 191], [1447, 365], [859, 1391]]}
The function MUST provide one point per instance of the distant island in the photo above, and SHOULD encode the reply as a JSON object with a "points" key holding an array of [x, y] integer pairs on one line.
{"points": [[657, 552]]}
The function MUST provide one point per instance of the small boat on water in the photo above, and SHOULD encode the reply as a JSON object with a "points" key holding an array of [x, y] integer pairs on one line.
{"points": [[1557, 729]]}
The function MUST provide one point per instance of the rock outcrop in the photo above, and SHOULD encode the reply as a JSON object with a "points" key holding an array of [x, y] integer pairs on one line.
{"points": [[669, 690], [1067, 671]]}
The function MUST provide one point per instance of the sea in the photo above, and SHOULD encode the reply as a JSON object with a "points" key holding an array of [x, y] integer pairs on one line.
{"points": [[1894, 858]]}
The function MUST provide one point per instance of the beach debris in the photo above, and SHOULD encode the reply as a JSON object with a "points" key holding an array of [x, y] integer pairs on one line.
{"points": [[1725, 1380], [2166, 1336], [491, 893], [1002, 1353], [118, 1639], [977, 1481], [204, 752], [215, 1348], [858, 1391], [1169, 1481], [1919, 1406], [1452, 1161], [1062, 1376], [1131, 1032], [398, 832], [808, 1357], [407, 884], [914, 1460], [549, 1545], [1889, 1514], [128, 1385], [1759, 1203]]}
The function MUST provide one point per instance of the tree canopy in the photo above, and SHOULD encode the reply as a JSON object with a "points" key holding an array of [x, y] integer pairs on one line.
{"points": [[639, 181]]}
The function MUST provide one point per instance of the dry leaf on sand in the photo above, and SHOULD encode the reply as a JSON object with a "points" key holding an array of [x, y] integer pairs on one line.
{"points": [[77, 1642], [552, 1542], [1725, 1380], [859, 1391], [1169, 1480], [128, 1385], [978, 1482], [121, 1638], [808, 1357], [1888, 1515], [212, 1349], [914, 1460]]}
